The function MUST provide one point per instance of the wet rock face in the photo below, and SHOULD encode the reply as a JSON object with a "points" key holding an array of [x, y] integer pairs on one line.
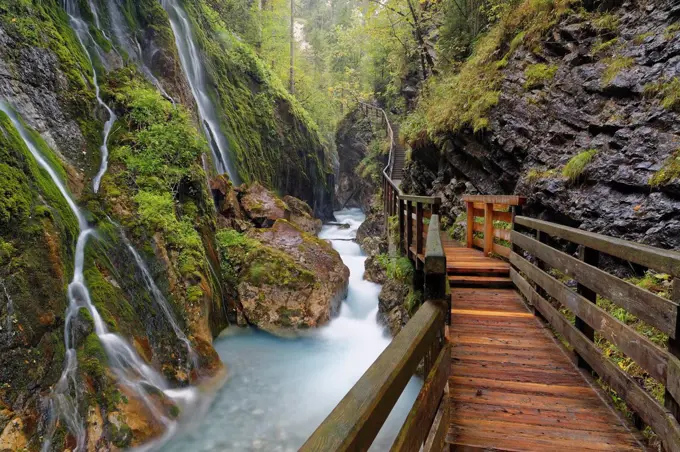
{"points": [[353, 137], [302, 215], [391, 310], [262, 207], [289, 281], [589, 104]]}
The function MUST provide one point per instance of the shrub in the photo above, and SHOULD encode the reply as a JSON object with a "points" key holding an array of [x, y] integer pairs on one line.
{"points": [[575, 167], [538, 74], [607, 22]]}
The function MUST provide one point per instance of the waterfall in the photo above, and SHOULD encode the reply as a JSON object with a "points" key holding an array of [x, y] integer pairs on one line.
{"points": [[83, 34], [160, 299], [194, 70], [129, 42], [9, 311], [130, 370]]}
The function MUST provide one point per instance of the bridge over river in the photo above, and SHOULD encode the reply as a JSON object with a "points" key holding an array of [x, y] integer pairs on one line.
{"points": [[509, 349]]}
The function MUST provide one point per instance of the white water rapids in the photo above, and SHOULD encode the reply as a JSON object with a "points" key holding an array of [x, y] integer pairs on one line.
{"points": [[280, 390]]}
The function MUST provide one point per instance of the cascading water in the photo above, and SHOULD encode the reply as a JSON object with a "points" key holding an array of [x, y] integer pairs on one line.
{"points": [[130, 370], [9, 310], [160, 299], [192, 64], [128, 42], [83, 33], [280, 390]]}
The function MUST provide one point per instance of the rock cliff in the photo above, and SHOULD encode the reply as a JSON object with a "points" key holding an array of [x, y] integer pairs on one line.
{"points": [[585, 125]]}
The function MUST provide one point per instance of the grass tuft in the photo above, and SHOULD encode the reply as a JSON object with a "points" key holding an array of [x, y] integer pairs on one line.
{"points": [[575, 167], [669, 172], [614, 67], [669, 92]]}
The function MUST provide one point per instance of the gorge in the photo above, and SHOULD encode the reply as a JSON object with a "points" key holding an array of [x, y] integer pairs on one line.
{"points": [[196, 246]]}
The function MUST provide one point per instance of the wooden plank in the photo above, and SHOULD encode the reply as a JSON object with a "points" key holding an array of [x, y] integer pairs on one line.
{"points": [[501, 250], [503, 216], [478, 212], [503, 234], [673, 381], [647, 256], [420, 199], [510, 200], [436, 438], [657, 311], [671, 400], [357, 419], [478, 227], [419, 420], [590, 257], [657, 417], [479, 243], [643, 351]]}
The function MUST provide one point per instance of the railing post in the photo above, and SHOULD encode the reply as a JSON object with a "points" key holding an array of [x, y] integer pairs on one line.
{"points": [[402, 223], [516, 211], [670, 402], [435, 267], [488, 229], [409, 227], [419, 228], [591, 257], [470, 224]]}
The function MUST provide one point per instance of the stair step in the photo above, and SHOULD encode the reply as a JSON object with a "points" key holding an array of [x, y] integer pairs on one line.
{"points": [[479, 281]]}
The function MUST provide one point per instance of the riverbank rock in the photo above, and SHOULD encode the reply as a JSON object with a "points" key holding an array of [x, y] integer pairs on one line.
{"points": [[302, 215], [287, 280], [261, 206], [391, 305]]}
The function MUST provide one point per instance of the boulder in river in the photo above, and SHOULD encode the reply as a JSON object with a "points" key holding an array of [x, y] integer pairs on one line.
{"points": [[286, 280]]}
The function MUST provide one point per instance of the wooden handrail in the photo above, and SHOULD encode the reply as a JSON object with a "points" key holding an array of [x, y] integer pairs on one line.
{"points": [[357, 419], [659, 363], [494, 208]]}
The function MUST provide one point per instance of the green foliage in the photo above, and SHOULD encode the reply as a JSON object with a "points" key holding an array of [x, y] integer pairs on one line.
{"points": [[453, 101], [604, 46], [667, 91], [538, 74], [246, 259], [669, 172], [614, 66], [397, 268], [577, 164], [413, 301]]}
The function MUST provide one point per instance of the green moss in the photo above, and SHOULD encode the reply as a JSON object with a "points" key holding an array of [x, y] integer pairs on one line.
{"points": [[247, 259], [667, 91], [538, 74], [397, 268], [614, 66], [669, 172], [604, 46], [577, 164]]}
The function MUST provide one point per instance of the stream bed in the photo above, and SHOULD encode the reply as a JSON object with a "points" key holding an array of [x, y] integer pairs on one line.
{"points": [[280, 390]]}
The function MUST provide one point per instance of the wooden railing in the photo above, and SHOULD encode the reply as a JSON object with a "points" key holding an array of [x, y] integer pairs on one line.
{"points": [[496, 213], [356, 421], [538, 286]]}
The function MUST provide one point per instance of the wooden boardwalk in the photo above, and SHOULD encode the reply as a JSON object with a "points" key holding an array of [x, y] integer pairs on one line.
{"points": [[512, 386]]}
